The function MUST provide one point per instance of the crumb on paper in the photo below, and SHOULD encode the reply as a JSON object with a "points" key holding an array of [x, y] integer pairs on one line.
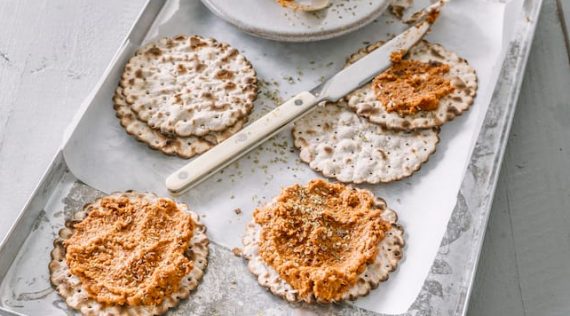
{"points": [[237, 252], [398, 7], [237, 211], [397, 11]]}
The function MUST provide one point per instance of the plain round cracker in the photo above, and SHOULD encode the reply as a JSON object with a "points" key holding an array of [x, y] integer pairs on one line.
{"points": [[461, 75], [189, 85], [390, 253], [340, 144], [184, 147], [69, 286]]}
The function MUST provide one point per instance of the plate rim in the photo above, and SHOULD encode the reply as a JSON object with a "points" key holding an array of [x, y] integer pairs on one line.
{"points": [[298, 36]]}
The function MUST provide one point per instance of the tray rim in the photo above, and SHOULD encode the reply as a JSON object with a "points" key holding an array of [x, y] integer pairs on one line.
{"points": [[513, 102], [151, 10]]}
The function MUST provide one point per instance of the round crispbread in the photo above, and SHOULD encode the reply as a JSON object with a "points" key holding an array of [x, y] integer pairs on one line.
{"points": [[390, 252], [461, 75], [70, 288], [184, 147], [189, 85], [340, 144]]}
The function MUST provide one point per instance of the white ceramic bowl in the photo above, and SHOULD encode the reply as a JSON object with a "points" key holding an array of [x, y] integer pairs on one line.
{"points": [[267, 19]]}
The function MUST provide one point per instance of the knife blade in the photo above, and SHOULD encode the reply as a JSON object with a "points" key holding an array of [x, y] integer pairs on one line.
{"points": [[339, 85]]}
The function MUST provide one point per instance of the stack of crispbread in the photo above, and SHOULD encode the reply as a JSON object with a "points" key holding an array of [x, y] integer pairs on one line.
{"points": [[360, 140], [182, 95]]}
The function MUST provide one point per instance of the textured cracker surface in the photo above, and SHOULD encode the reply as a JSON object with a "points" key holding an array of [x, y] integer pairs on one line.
{"points": [[389, 255], [461, 75], [189, 85], [70, 288], [184, 147], [340, 144]]}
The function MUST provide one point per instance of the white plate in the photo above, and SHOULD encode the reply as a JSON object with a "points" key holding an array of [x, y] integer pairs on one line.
{"points": [[267, 19]]}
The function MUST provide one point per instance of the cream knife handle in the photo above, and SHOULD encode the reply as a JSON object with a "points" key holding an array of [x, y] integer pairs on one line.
{"points": [[239, 144]]}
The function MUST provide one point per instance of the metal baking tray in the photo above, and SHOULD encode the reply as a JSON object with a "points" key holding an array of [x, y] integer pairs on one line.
{"points": [[228, 288]]}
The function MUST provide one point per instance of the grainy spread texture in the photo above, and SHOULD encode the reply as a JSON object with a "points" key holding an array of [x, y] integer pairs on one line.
{"points": [[324, 242], [452, 101], [129, 253], [189, 85], [184, 147], [411, 86], [340, 144]]}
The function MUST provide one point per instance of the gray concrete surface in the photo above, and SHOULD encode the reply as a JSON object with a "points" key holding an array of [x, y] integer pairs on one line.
{"points": [[53, 51]]}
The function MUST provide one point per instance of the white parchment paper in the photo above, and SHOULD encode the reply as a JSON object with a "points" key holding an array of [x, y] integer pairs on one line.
{"points": [[101, 154]]}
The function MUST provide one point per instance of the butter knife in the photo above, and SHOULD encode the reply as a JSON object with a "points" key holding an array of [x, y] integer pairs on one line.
{"points": [[336, 87]]}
